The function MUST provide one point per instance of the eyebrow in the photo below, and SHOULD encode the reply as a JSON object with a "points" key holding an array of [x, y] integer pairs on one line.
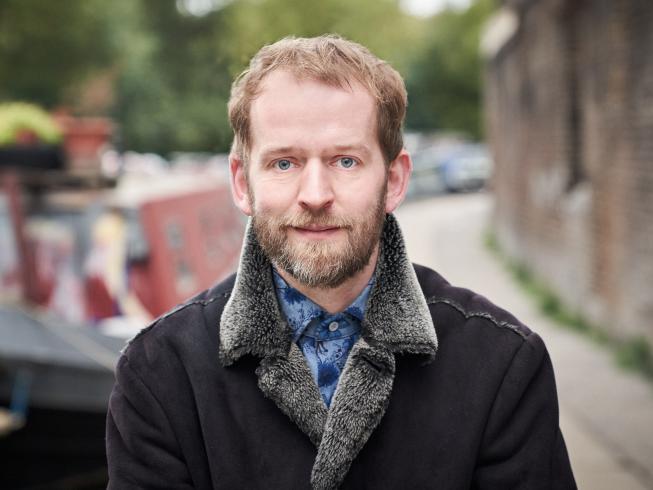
{"points": [[357, 148], [281, 150], [285, 150]]}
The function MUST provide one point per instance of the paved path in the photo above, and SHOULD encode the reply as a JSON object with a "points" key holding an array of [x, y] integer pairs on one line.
{"points": [[606, 413]]}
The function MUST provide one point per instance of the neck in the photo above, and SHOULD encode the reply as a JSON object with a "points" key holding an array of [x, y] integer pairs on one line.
{"points": [[335, 300]]}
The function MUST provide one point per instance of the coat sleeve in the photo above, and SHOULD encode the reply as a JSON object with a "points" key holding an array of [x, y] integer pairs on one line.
{"points": [[523, 447], [142, 449]]}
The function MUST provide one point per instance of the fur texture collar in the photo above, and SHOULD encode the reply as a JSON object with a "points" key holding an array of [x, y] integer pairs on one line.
{"points": [[397, 321]]}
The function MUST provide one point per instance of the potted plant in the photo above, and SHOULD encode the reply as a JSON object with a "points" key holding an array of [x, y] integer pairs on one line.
{"points": [[29, 137]]}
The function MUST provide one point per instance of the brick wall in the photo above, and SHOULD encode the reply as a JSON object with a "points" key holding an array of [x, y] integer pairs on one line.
{"points": [[569, 108]]}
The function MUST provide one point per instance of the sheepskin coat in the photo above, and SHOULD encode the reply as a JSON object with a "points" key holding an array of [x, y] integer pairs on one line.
{"points": [[443, 390]]}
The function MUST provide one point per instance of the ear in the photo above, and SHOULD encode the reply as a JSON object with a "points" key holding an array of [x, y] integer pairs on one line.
{"points": [[239, 187], [398, 176]]}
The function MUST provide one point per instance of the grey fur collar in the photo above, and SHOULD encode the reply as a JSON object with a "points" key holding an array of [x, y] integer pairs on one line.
{"points": [[397, 321]]}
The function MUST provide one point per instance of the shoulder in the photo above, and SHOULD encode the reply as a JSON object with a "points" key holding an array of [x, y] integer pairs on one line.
{"points": [[184, 331], [460, 314], [465, 302]]}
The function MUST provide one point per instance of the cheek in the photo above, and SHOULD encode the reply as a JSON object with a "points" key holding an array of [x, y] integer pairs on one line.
{"points": [[268, 198], [370, 193], [362, 187]]}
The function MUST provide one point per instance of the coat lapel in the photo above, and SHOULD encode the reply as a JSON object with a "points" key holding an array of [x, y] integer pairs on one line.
{"points": [[397, 321], [358, 405], [252, 324], [288, 382]]}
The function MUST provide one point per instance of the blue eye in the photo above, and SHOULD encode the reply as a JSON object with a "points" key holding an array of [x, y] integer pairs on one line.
{"points": [[347, 162], [283, 164]]}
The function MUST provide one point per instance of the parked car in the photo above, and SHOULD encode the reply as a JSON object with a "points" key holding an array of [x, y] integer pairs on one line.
{"points": [[426, 179], [467, 169]]}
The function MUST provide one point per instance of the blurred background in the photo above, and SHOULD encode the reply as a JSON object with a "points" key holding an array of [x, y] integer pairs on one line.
{"points": [[530, 123]]}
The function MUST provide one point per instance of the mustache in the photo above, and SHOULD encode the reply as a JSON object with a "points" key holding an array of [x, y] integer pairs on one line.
{"points": [[320, 218]]}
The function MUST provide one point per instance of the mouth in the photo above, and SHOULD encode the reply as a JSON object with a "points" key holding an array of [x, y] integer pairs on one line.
{"points": [[316, 231]]}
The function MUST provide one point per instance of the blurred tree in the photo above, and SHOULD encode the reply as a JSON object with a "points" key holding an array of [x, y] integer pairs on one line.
{"points": [[378, 24], [48, 47], [175, 94], [164, 73], [444, 83], [174, 84]]}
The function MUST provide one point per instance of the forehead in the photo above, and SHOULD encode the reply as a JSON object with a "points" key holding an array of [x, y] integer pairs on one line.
{"points": [[307, 113]]}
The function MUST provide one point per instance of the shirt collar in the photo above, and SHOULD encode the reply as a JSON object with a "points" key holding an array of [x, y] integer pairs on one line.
{"points": [[300, 310]]}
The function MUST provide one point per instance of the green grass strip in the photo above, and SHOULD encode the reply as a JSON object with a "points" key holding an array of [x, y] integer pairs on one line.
{"points": [[634, 354]]}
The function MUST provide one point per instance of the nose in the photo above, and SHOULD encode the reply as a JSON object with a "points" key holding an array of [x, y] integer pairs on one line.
{"points": [[316, 189]]}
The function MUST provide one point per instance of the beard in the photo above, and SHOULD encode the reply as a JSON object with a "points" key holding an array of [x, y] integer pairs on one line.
{"points": [[321, 263]]}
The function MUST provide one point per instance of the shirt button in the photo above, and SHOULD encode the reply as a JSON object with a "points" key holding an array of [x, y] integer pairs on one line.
{"points": [[333, 326]]}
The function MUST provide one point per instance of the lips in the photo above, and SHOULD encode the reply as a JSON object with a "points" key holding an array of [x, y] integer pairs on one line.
{"points": [[316, 228], [316, 232]]}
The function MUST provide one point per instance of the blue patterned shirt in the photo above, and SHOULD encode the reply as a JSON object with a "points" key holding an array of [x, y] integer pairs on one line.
{"points": [[324, 339]]}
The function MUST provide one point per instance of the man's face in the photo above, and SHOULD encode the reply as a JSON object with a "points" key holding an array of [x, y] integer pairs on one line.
{"points": [[316, 181]]}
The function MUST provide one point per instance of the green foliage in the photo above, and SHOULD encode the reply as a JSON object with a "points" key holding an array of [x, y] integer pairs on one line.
{"points": [[444, 84], [165, 75], [637, 355], [173, 84], [48, 47], [378, 24], [17, 117], [173, 95], [490, 241]]}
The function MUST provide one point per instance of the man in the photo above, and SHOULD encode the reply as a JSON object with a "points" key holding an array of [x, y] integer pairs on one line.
{"points": [[329, 361]]}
